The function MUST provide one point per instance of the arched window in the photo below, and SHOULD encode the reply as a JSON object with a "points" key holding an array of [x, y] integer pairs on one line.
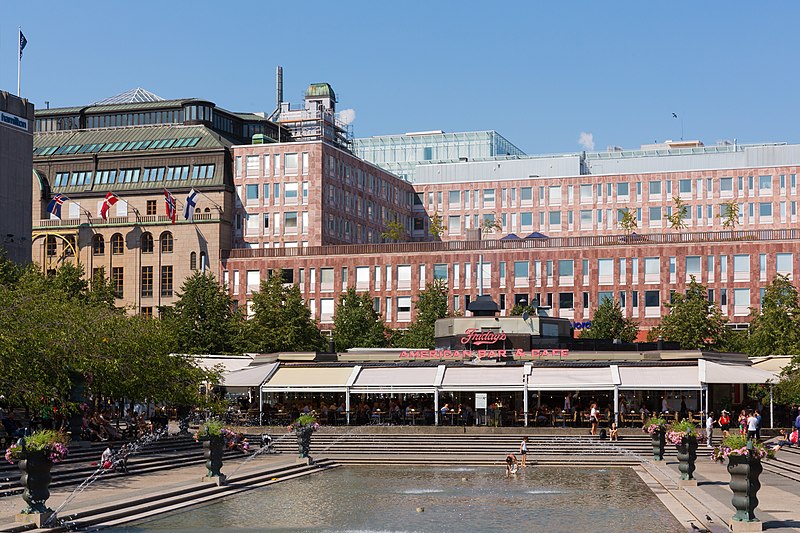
{"points": [[147, 242], [203, 261], [69, 245], [196, 210], [51, 246], [207, 210], [166, 242], [193, 261], [117, 244], [98, 245]]}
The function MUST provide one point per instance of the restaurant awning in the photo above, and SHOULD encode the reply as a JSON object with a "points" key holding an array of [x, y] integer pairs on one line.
{"points": [[600, 378], [711, 372], [388, 380], [308, 379], [252, 376], [659, 378], [483, 379], [229, 363]]}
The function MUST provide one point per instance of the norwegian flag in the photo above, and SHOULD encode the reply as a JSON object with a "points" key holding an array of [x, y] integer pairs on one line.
{"points": [[169, 200], [55, 204], [110, 200]]}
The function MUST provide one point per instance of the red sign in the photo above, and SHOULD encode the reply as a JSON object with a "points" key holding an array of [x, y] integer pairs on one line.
{"points": [[482, 354], [473, 336]]}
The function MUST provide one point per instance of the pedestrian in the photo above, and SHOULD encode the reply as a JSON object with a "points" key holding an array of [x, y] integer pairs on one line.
{"points": [[758, 424], [593, 418], [709, 428], [725, 421], [511, 464], [523, 451], [752, 426], [613, 434]]}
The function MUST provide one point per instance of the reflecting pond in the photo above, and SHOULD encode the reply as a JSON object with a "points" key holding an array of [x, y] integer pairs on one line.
{"points": [[358, 498]]}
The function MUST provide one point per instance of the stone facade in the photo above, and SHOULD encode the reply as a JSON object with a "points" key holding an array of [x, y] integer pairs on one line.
{"points": [[16, 145]]}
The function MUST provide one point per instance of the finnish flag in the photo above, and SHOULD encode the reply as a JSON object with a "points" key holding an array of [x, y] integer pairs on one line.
{"points": [[191, 202]]}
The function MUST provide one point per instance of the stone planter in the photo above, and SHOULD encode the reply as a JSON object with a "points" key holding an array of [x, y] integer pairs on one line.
{"points": [[36, 478], [744, 473], [659, 441], [687, 455], [303, 441], [213, 448]]}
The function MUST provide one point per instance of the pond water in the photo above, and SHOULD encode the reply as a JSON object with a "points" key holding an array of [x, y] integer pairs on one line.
{"points": [[454, 499]]}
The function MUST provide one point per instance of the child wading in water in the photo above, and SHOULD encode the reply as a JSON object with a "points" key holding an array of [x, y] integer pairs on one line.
{"points": [[511, 464]]}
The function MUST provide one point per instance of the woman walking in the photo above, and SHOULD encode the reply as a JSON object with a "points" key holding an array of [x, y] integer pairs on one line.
{"points": [[593, 418], [709, 428]]}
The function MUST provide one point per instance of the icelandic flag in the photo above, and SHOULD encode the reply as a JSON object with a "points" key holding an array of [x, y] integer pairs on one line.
{"points": [[55, 204], [169, 200], [191, 202], [22, 42], [110, 200]]}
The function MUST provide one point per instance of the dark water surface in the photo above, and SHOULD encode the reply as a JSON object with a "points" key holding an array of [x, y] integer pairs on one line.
{"points": [[386, 499]]}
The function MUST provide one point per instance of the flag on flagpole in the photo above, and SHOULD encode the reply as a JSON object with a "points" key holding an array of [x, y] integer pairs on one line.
{"points": [[55, 204], [191, 202], [110, 200], [169, 200], [22, 42]]}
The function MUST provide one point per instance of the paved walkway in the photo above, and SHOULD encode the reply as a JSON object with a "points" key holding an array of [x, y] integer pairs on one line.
{"points": [[106, 491], [779, 497]]}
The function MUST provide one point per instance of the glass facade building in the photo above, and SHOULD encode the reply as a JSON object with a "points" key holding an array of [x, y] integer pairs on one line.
{"points": [[400, 154]]}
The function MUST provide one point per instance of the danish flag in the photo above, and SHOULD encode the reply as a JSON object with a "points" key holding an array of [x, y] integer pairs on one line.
{"points": [[110, 200]]}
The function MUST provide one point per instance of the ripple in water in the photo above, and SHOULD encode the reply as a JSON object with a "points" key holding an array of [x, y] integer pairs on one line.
{"points": [[420, 491]]}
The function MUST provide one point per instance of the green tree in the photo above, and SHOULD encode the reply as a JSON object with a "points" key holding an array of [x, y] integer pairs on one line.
{"points": [[608, 322], [431, 305], [692, 321], [627, 220], [436, 226], [491, 223], [729, 213], [679, 213], [519, 308], [101, 290], [356, 324], [203, 320], [774, 330], [281, 322], [394, 231]]}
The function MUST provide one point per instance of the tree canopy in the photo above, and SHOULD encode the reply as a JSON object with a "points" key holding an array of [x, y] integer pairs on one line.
{"points": [[280, 322], [356, 324], [774, 329], [431, 305], [608, 322], [692, 321]]}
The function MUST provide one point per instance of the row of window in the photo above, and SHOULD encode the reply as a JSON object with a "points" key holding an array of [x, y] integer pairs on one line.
{"points": [[132, 175], [291, 190], [291, 222], [118, 280], [292, 164], [127, 146], [589, 193]]}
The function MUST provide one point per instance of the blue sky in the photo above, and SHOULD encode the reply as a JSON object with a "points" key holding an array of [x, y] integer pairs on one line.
{"points": [[540, 74]]}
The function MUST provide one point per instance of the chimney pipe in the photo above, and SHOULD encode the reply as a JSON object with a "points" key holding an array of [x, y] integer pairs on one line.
{"points": [[278, 87]]}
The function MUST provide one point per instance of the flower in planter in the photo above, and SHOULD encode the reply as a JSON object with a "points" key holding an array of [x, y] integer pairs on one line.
{"points": [[304, 421], [215, 428], [735, 444], [654, 424], [52, 443], [681, 431]]}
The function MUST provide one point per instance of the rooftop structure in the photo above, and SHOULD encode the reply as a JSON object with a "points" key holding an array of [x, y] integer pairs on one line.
{"points": [[401, 154], [316, 119]]}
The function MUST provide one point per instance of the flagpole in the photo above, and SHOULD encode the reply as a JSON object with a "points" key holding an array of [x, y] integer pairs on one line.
{"points": [[19, 57]]}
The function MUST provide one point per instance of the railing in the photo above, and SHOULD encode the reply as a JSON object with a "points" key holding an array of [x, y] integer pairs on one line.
{"points": [[116, 221], [522, 244]]}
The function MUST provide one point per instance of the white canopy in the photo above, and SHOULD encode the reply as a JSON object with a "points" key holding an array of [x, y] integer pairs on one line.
{"points": [[309, 379], [659, 378], [229, 363], [395, 379], [580, 378], [506, 378], [252, 376], [711, 372]]}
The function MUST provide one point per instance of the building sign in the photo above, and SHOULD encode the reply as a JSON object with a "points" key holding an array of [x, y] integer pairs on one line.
{"points": [[460, 355], [14, 121], [478, 338], [581, 325], [480, 400]]}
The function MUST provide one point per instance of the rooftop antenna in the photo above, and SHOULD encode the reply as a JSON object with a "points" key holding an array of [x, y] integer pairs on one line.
{"points": [[675, 115], [278, 86]]}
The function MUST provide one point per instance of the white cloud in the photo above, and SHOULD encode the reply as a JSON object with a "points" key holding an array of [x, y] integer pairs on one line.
{"points": [[347, 115], [586, 140]]}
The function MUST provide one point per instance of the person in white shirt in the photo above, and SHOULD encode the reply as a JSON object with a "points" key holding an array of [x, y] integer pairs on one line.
{"points": [[664, 406], [752, 426], [709, 428], [594, 415]]}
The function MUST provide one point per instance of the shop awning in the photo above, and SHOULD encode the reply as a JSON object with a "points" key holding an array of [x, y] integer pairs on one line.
{"points": [[568, 379], [252, 376], [308, 379], [711, 372], [388, 380], [659, 378], [483, 379], [229, 363]]}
